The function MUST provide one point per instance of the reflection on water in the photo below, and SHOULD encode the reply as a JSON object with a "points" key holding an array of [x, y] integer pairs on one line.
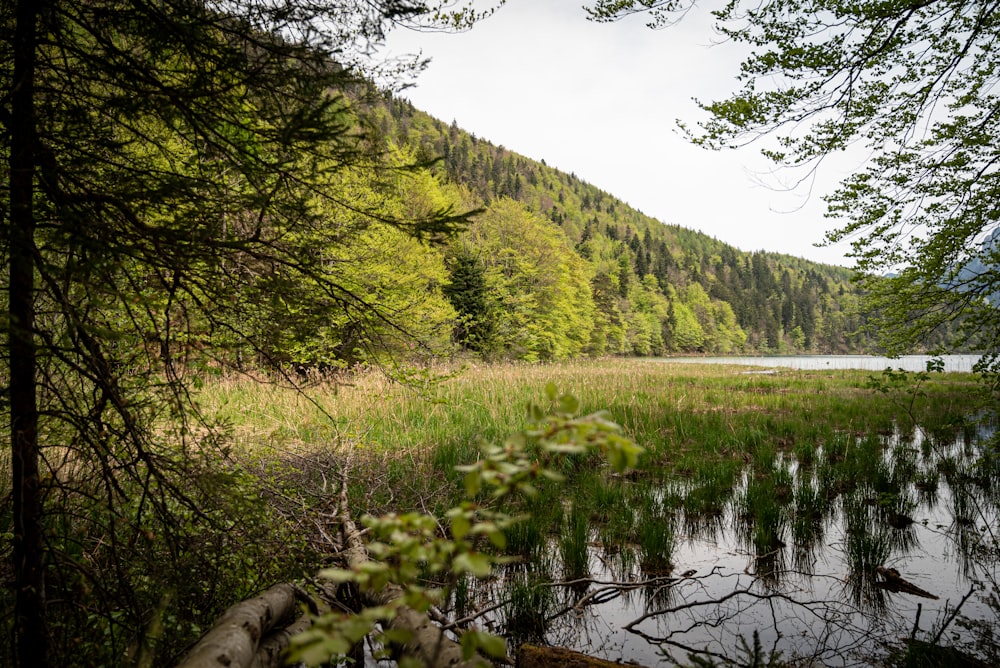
{"points": [[958, 363], [831, 560]]}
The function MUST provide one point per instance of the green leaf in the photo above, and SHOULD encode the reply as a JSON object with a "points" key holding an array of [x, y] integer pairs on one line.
{"points": [[491, 645], [476, 563], [460, 526], [569, 404], [338, 575], [473, 483], [551, 391], [498, 538], [397, 636], [469, 643]]}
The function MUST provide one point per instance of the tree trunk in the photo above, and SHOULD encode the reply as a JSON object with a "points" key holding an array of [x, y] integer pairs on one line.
{"points": [[30, 627], [237, 638]]}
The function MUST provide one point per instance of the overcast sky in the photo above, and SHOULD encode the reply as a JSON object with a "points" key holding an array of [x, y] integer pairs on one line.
{"points": [[601, 101]]}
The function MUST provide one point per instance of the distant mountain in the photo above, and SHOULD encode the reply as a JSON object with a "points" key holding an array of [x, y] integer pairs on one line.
{"points": [[989, 251]]}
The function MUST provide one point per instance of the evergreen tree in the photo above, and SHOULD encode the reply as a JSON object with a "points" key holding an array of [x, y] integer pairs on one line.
{"points": [[468, 293]]}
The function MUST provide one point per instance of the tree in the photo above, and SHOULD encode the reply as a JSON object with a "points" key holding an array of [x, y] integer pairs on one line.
{"points": [[540, 288], [469, 294], [399, 278], [161, 158], [914, 83]]}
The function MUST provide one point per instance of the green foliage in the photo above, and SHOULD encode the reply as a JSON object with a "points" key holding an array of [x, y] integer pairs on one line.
{"points": [[388, 301], [639, 268], [184, 179], [541, 307], [406, 547]]}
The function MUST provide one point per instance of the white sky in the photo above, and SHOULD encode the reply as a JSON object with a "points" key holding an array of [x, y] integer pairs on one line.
{"points": [[601, 101]]}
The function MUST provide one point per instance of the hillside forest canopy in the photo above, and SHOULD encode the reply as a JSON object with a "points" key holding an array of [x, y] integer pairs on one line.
{"points": [[198, 188]]}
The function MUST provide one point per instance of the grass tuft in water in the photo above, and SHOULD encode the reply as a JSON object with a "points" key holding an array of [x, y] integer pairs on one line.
{"points": [[763, 516], [655, 537], [867, 546], [530, 603], [573, 544]]}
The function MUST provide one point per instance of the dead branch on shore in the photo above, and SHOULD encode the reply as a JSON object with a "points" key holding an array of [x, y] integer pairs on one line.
{"points": [[427, 641]]}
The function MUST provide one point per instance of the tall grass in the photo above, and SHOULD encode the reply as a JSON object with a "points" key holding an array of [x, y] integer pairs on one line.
{"points": [[573, 544], [701, 422]]}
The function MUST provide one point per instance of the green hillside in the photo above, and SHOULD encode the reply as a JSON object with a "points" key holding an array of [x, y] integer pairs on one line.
{"points": [[654, 288]]}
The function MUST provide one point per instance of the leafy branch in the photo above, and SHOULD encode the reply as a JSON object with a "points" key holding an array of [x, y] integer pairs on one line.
{"points": [[405, 548]]}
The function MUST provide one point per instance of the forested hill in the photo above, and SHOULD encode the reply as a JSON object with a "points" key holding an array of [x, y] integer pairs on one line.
{"points": [[605, 278]]}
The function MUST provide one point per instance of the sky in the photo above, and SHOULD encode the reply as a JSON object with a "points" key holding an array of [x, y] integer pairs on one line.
{"points": [[602, 101]]}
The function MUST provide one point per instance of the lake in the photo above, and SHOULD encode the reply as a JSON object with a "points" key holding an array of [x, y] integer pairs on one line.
{"points": [[958, 363]]}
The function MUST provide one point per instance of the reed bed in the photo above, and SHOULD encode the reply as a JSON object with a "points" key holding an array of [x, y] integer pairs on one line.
{"points": [[694, 421]]}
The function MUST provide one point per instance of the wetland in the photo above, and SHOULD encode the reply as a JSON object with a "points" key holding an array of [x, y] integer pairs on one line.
{"points": [[802, 517]]}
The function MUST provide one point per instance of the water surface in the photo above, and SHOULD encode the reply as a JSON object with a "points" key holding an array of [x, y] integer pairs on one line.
{"points": [[799, 572], [959, 363]]}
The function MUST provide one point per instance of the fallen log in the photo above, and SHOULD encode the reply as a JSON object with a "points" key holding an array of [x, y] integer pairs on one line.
{"points": [[248, 635], [256, 632], [535, 656], [427, 641], [894, 582], [271, 652]]}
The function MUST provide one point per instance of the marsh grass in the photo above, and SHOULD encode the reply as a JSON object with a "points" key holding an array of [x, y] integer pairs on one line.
{"points": [[541, 520], [655, 533], [867, 545], [805, 454], [671, 408], [808, 512], [763, 517], [656, 538], [780, 457], [527, 539], [700, 425], [529, 603], [603, 494], [704, 498], [574, 544]]}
